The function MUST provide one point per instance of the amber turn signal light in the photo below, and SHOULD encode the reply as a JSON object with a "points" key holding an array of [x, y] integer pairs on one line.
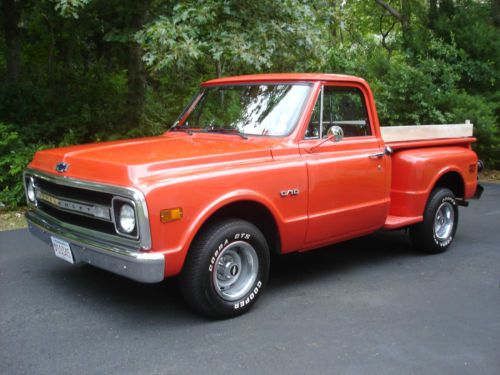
{"points": [[170, 214]]}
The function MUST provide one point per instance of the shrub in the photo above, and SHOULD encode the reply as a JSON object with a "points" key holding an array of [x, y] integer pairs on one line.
{"points": [[482, 114], [14, 157]]}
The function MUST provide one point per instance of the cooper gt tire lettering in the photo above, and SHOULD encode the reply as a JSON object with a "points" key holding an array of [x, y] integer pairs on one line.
{"points": [[217, 251], [250, 298], [442, 243], [237, 257]]}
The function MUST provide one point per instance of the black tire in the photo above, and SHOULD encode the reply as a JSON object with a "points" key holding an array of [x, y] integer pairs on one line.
{"points": [[433, 235], [212, 265]]}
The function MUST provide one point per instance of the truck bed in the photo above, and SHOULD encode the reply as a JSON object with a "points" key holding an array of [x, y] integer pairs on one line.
{"points": [[421, 153]]}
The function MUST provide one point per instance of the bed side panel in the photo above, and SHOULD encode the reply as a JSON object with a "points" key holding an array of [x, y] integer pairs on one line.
{"points": [[416, 171]]}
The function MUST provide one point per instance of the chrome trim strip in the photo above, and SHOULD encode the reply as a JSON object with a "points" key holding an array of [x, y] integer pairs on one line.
{"points": [[128, 192], [136, 265], [321, 112]]}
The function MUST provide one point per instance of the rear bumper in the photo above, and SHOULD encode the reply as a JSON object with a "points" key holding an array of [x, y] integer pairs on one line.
{"points": [[479, 192], [136, 265]]}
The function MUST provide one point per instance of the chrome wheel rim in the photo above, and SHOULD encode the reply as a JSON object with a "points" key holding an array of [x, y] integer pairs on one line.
{"points": [[235, 271], [444, 221]]}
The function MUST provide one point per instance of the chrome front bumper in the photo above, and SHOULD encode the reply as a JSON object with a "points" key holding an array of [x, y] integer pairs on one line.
{"points": [[133, 264]]}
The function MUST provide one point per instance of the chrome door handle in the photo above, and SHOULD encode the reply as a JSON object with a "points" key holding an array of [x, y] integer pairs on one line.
{"points": [[377, 155]]}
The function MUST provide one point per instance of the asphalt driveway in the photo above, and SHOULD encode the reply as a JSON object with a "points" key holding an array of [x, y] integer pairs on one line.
{"points": [[368, 306]]}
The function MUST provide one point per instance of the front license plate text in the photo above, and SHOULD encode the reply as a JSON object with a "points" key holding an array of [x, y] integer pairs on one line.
{"points": [[62, 249]]}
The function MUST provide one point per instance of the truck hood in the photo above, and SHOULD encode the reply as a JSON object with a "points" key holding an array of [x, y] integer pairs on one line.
{"points": [[125, 163]]}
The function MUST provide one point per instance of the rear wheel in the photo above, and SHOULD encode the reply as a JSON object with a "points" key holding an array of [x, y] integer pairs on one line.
{"points": [[437, 231], [226, 269]]}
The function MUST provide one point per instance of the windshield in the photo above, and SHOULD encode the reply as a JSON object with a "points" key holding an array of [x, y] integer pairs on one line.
{"points": [[258, 109]]}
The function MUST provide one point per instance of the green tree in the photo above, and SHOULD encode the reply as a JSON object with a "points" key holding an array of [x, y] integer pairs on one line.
{"points": [[232, 36], [74, 71]]}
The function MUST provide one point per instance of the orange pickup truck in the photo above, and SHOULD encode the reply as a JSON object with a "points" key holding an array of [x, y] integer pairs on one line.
{"points": [[257, 164]]}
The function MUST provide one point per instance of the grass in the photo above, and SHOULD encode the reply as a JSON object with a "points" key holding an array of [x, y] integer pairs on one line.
{"points": [[14, 219], [491, 175]]}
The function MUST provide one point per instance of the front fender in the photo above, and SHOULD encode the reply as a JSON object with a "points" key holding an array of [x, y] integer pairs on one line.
{"points": [[176, 256], [226, 199]]}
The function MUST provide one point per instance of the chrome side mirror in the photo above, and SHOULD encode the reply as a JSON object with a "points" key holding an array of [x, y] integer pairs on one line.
{"points": [[335, 133]]}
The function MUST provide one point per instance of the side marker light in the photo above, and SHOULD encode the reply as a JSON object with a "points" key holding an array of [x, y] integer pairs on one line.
{"points": [[170, 214]]}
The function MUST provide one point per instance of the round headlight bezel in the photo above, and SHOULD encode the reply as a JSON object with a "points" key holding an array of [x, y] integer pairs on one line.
{"points": [[118, 204]]}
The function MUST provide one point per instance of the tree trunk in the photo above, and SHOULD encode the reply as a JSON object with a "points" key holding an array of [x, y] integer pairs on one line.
{"points": [[495, 12], [136, 73], [136, 83], [432, 14], [11, 11], [403, 17], [218, 69], [406, 13]]}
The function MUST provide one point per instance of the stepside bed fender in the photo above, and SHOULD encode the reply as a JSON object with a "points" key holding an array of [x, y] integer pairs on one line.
{"points": [[415, 172]]}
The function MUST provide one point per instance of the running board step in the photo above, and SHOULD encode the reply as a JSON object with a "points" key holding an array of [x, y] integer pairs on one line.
{"points": [[394, 222]]}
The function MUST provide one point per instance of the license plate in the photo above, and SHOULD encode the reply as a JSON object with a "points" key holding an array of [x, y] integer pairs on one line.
{"points": [[62, 249]]}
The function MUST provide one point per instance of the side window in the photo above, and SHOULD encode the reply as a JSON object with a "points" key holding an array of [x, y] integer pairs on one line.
{"points": [[344, 107]]}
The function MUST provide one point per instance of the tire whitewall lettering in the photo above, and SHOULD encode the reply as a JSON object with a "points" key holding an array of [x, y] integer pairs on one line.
{"points": [[226, 269]]}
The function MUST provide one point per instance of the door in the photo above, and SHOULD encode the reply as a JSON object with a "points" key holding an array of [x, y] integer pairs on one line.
{"points": [[347, 179]]}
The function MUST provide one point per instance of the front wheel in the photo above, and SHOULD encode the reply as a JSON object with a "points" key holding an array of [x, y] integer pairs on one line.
{"points": [[226, 269], [437, 231]]}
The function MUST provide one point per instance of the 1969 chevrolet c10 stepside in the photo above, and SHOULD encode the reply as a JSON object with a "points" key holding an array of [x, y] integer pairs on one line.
{"points": [[254, 165]]}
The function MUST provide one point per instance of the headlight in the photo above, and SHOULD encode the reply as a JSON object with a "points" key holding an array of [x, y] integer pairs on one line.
{"points": [[30, 190], [127, 218]]}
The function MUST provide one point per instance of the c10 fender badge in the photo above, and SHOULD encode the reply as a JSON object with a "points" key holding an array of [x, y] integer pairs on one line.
{"points": [[286, 193]]}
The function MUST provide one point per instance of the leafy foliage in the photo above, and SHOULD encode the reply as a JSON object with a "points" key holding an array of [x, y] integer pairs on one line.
{"points": [[15, 155], [231, 34], [70, 70], [69, 8]]}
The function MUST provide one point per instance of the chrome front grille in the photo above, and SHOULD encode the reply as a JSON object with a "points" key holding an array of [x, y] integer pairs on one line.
{"points": [[79, 207], [74, 204], [88, 206], [77, 220], [57, 187]]}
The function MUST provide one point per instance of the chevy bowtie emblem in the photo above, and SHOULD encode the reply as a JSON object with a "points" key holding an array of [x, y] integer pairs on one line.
{"points": [[62, 167]]}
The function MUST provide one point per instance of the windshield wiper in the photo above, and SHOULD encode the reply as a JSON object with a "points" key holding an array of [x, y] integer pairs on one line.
{"points": [[227, 131], [181, 128]]}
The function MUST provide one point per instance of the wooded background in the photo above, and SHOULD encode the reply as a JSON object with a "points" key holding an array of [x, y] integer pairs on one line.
{"points": [[74, 71]]}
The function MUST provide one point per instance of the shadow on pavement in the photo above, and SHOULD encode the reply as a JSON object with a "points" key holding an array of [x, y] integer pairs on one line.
{"points": [[163, 302]]}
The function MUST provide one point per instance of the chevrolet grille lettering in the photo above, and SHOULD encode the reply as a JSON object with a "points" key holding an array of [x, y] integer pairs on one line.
{"points": [[92, 210]]}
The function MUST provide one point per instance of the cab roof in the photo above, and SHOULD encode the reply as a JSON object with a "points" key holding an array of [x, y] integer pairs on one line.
{"points": [[284, 77]]}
